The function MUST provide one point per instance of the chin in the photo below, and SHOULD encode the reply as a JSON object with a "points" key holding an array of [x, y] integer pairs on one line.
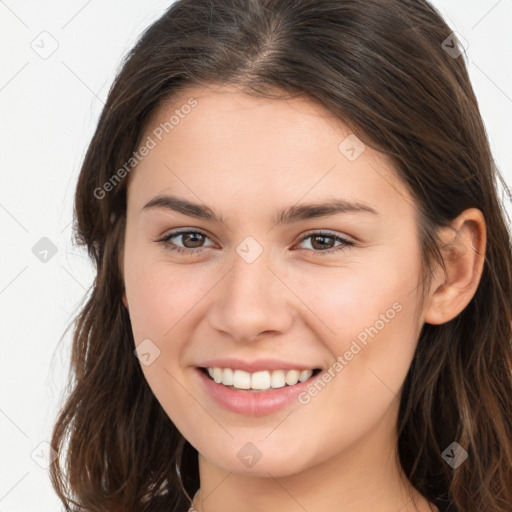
{"points": [[276, 465]]}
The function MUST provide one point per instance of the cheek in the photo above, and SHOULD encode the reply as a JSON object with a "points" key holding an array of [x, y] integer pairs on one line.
{"points": [[348, 299], [160, 293], [372, 351], [161, 302], [366, 316]]}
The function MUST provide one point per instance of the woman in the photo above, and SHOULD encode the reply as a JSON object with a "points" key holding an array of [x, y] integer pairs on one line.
{"points": [[304, 275]]}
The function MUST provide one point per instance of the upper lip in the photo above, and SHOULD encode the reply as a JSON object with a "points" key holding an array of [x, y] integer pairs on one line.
{"points": [[256, 365]]}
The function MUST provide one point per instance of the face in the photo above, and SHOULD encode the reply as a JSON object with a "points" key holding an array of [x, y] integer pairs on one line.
{"points": [[311, 288]]}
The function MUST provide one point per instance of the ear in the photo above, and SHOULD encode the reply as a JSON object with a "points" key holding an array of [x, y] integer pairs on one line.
{"points": [[463, 251], [125, 302]]}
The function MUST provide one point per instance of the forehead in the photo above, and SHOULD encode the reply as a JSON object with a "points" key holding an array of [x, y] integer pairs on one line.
{"points": [[213, 140], [224, 98], [230, 123]]}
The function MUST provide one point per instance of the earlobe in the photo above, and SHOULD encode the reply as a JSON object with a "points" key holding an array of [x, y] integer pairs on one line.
{"points": [[463, 251]]}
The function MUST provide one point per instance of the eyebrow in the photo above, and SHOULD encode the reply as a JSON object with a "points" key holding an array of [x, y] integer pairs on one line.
{"points": [[288, 216]]}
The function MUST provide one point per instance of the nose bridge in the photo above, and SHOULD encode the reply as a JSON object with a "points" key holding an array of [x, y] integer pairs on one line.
{"points": [[250, 281], [253, 299]]}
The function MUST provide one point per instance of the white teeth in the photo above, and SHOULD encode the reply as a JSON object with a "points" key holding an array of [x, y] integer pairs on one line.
{"points": [[217, 375], [304, 375], [241, 379], [261, 380], [292, 377], [278, 379], [227, 377]]}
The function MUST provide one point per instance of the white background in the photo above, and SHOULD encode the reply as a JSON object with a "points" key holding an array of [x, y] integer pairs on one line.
{"points": [[49, 109]]}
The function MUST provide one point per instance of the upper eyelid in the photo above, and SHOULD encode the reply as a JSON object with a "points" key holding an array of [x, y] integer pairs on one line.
{"points": [[185, 231]]}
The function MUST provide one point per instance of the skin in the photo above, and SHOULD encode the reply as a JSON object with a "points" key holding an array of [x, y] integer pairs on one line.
{"points": [[248, 158]]}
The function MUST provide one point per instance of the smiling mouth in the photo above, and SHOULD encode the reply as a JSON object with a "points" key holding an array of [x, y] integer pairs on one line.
{"points": [[258, 382]]}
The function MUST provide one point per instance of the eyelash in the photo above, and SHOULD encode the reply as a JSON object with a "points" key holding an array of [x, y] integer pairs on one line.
{"points": [[181, 250]]}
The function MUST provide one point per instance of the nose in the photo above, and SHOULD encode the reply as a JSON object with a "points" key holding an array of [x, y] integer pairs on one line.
{"points": [[252, 300]]}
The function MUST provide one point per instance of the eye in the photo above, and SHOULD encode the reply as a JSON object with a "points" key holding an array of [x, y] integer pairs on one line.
{"points": [[194, 240], [320, 242], [191, 239]]}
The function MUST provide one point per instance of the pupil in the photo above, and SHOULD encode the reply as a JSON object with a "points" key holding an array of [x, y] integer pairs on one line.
{"points": [[320, 237], [198, 239]]}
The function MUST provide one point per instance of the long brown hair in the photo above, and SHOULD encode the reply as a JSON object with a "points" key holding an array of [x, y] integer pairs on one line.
{"points": [[385, 68]]}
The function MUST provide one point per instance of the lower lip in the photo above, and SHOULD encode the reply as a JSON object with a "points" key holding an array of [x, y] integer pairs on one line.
{"points": [[253, 404]]}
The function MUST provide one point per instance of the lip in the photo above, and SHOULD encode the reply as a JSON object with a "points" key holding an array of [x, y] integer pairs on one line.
{"points": [[253, 404], [257, 365]]}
